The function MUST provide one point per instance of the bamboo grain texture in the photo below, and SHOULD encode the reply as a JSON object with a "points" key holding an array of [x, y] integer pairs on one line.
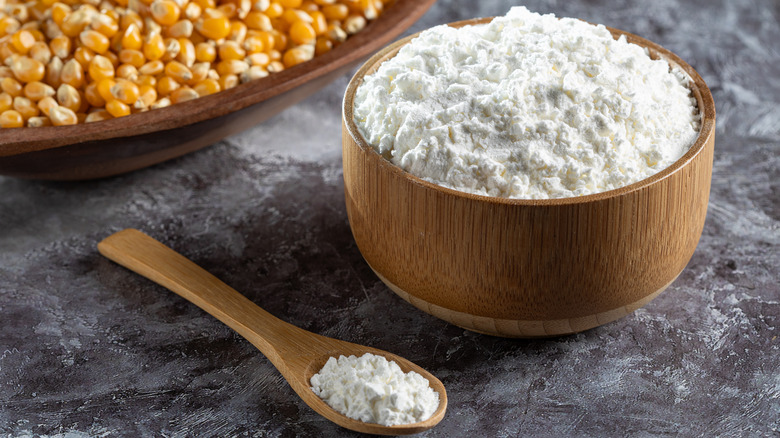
{"points": [[527, 268]]}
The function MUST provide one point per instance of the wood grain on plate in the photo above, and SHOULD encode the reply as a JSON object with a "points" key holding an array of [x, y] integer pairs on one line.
{"points": [[527, 268], [120, 145]]}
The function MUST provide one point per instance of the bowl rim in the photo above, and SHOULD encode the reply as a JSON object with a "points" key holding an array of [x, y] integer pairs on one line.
{"points": [[698, 87], [398, 16]]}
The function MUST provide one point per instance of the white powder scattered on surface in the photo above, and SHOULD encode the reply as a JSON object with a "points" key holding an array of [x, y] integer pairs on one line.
{"points": [[374, 390], [527, 106]]}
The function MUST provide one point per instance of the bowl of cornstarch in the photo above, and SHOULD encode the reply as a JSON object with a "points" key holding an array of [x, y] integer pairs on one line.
{"points": [[526, 175]]}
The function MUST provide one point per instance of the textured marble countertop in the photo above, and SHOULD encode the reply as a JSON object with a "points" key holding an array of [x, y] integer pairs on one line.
{"points": [[89, 349]]}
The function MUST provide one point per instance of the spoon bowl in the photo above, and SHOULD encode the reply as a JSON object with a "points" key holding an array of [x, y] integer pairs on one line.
{"points": [[298, 354]]}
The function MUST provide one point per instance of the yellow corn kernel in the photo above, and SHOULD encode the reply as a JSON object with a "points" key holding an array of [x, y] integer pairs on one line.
{"points": [[354, 24], [38, 122], [275, 67], [290, 4], [104, 88], [182, 29], [83, 55], [53, 72], [94, 40], [26, 107], [146, 80], [231, 50], [11, 119], [309, 6], [318, 22], [172, 49], [97, 116], [238, 31], [280, 40], [207, 86], [125, 91], [104, 24], [293, 15], [40, 51], [60, 46], [6, 102], [147, 96], [336, 11], [127, 71], [186, 54], [131, 38], [302, 33], [231, 67], [152, 68], [178, 71], [166, 85], [297, 55], [215, 28], [274, 10], [92, 95], [280, 25], [36, 91], [162, 103], [100, 68], [132, 57], [154, 47], [323, 45], [205, 52], [117, 108], [193, 11], [61, 116], [261, 5], [183, 94], [165, 12], [259, 59], [254, 72], [275, 55], [6, 72], [74, 23], [253, 44], [336, 34], [22, 41], [27, 69], [59, 11], [199, 72], [131, 17], [258, 21], [227, 82], [69, 97]]}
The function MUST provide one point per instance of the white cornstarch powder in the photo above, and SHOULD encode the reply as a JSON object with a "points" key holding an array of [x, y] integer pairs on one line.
{"points": [[527, 106], [374, 390]]}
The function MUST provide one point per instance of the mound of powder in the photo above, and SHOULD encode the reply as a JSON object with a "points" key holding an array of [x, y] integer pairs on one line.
{"points": [[527, 106], [372, 389]]}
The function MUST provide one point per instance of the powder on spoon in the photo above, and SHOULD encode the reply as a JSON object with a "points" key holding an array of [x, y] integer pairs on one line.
{"points": [[527, 106], [372, 389]]}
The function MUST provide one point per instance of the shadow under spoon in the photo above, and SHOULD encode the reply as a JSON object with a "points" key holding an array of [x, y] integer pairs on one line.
{"points": [[296, 353]]}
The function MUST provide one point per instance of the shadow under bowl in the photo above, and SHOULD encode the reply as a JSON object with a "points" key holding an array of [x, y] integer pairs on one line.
{"points": [[527, 268]]}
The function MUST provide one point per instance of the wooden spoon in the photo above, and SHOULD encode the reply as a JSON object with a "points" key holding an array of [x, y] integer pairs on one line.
{"points": [[296, 353]]}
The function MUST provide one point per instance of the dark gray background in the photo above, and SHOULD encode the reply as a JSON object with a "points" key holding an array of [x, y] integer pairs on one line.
{"points": [[88, 348]]}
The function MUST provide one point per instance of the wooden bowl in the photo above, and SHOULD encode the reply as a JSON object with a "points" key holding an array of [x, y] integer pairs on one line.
{"points": [[527, 268], [120, 145]]}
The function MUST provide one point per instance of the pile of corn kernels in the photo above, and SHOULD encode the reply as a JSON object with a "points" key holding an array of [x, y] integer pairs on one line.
{"points": [[75, 61]]}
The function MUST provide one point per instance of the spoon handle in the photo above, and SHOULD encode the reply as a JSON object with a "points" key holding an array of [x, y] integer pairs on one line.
{"points": [[148, 257]]}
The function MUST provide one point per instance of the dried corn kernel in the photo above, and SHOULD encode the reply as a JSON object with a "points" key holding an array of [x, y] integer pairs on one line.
{"points": [[74, 61]]}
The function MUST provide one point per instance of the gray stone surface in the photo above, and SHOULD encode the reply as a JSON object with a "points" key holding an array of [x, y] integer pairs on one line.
{"points": [[88, 348]]}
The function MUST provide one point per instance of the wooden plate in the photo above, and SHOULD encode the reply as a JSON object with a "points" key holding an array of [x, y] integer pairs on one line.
{"points": [[120, 145]]}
